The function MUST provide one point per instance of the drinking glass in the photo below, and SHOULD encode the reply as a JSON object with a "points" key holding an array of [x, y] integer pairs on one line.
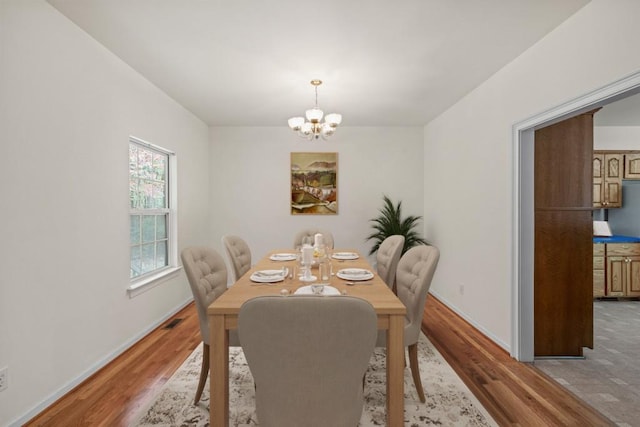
{"points": [[324, 269], [306, 272], [328, 251], [293, 271]]}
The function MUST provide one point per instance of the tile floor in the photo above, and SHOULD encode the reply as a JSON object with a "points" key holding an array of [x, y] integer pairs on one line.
{"points": [[609, 377]]}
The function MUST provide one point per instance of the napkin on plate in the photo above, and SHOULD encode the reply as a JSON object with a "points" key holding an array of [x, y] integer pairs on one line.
{"points": [[271, 273], [356, 271]]}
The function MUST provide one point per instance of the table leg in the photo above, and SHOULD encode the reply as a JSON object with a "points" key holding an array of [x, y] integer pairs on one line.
{"points": [[395, 372], [219, 372]]}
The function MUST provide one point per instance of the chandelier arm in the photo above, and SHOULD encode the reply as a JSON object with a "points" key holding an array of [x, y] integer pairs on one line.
{"points": [[315, 128]]}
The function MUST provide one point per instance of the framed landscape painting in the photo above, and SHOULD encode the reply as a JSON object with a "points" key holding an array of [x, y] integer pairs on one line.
{"points": [[314, 183]]}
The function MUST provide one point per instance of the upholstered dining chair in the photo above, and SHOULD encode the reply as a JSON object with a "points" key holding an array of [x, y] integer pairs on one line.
{"points": [[311, 232], [308, 355], [239, 255], [413, 279], [387, 258], [207, 275]]}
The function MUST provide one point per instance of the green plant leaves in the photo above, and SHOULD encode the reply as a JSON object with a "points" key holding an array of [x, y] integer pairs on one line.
{"points": [[390, 222]]}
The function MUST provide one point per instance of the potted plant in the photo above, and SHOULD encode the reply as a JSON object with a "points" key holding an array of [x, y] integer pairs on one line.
{"points": [[390, 222]]}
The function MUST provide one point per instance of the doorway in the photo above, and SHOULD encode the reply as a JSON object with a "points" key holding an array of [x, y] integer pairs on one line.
{"points": [[523, 215]]}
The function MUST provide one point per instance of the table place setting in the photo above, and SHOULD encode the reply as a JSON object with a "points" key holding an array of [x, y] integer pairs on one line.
{"points": [[269, 276], [317, 289], [283, 257], [345, 256], [354, 274]]}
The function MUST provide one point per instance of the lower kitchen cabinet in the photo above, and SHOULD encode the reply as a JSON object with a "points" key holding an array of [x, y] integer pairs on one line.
{"points": [[598, 270], [622, 270]]}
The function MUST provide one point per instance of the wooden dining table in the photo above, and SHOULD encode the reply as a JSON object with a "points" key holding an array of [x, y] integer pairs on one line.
{"points": [[223, 316]]}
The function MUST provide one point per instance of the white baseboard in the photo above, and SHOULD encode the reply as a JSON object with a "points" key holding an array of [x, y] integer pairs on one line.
{"points": [[95, 368], [484, 332]]}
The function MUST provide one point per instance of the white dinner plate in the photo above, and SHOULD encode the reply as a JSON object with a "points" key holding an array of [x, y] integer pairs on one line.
{"points": [[345, 255], [268, 276], [282, 257], [354, 274], [306, 290]]}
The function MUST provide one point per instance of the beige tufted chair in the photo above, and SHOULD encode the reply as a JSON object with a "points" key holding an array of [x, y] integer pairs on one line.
{"points": [[387, 258], [311, 232], [239, 255], [413, 279], [207, 274], [308, 355]]}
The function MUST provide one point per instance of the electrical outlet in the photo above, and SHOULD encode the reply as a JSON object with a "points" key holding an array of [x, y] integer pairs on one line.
{"points": [[4, 378], [461, 289]]}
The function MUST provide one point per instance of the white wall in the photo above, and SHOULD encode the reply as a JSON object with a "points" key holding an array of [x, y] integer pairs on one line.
{"points": [[616, 138], [67, 108], [470, 148], [250, 182]]}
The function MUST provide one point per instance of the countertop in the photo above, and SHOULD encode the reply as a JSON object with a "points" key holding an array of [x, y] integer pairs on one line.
{"points": [[616, 239]]}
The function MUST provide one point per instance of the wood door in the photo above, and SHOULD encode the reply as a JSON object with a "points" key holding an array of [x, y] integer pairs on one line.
{"points": [[598, 179], [633, 277], [563, 264], [598, 270], [632, 166], [607, 179], [613, 180], [616, 272]]}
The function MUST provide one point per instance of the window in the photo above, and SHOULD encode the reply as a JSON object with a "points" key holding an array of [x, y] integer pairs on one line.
{"points": [[151, 216]]}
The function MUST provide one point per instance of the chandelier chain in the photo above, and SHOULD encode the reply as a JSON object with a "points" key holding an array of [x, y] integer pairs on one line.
{"points": [[316, 96]]}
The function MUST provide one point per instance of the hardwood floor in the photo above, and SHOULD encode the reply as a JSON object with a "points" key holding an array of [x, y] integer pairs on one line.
{"points": [[515, 394], [113, 395]]}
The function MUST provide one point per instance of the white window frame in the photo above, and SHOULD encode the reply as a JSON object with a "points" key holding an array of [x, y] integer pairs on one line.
{"points": [[150, 280]]}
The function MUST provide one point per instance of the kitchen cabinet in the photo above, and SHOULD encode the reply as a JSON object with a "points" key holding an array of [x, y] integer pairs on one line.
{"points": [[622, 269], [632, 166], [616, 266], [616, 269], [607, 179], [598, 270]]}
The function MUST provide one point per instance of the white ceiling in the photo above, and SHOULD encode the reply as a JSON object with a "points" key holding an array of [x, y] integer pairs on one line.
{"points": [[244, 63]]}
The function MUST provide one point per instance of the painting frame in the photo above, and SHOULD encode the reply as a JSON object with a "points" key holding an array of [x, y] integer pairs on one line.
{"points": [[314, 183]]}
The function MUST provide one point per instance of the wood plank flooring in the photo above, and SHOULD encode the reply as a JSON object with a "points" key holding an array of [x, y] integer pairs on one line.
{"points": [[515, 394], [113, 395]]}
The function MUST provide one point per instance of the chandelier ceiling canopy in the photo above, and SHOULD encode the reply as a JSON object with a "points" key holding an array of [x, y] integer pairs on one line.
{"points": [[314, 127]]}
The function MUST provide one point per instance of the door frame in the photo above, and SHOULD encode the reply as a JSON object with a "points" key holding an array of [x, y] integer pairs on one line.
{"points": [[522, 347]]}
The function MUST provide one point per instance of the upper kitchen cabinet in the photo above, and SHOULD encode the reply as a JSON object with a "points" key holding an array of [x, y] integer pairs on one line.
{"points": [[607, 179], [632, 166]]}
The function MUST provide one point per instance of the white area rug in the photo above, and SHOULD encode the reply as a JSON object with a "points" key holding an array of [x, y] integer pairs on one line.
{"points": [[449, 401]]}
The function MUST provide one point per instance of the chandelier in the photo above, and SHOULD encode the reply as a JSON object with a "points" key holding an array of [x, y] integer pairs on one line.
{"points": [[314, 127]]}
